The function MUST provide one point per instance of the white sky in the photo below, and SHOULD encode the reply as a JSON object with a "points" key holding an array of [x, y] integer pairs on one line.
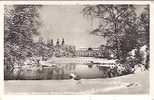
{"points": [[68, 22]]}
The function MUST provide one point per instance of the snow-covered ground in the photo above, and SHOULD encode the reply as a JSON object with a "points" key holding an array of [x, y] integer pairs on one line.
{"points": [[79, 60], [130, 84]]}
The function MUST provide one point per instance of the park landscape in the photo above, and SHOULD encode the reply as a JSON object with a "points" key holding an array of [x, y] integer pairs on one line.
{"points": [[47, 46]]}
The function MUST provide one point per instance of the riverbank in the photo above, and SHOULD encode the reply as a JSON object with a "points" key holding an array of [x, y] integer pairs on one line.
{"points": [[130, 84]]}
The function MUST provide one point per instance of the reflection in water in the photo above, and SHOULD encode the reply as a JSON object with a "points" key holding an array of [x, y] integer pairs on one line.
{"points": [[90, 65], [62, 71]]}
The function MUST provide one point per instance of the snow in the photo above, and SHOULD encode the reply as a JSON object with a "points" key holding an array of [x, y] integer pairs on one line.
{"points": [[130, 84], [80, 60]]}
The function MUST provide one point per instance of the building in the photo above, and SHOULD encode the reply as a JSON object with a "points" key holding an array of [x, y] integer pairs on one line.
{"points": [[101, 52], [87, 52]]}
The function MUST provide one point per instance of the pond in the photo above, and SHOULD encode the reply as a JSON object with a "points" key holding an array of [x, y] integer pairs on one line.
{"points": [[63, 70]]}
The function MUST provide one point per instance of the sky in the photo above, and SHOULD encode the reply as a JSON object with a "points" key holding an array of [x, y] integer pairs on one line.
{"points": [[67, 21]]}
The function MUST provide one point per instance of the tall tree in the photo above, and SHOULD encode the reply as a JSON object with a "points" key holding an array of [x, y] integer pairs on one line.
{"points": [[21, 23], [144, 33], [115, 22], [144, 23]]}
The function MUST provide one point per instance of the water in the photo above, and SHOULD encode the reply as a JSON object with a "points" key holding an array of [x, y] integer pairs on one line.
{"points": [[63, 70]]}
